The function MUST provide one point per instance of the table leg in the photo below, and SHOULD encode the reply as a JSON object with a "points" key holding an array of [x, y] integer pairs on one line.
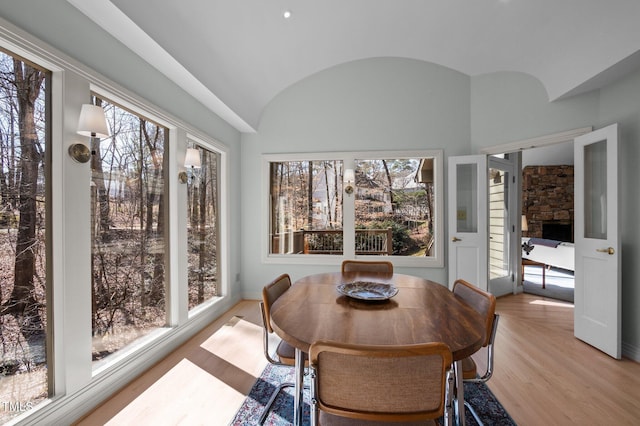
{"points": [[459, 409], [298, 396]]}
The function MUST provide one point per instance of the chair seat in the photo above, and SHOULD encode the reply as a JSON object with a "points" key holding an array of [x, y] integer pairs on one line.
{"points": [[469, 368], [287, 354], [326, 419]]}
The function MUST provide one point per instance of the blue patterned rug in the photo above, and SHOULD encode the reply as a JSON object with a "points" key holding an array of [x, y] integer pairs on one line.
{"points": [[485, 403]]}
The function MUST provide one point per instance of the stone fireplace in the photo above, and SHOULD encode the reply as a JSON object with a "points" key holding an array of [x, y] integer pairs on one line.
{"points": [[547, 201]]}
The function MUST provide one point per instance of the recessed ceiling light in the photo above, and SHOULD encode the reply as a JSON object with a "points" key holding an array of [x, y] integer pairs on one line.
{"points": [[286, 14]]}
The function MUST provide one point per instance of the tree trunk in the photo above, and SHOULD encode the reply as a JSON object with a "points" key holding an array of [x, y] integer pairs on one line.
{"points": [[310, 197], [155, 196], [22, 303], [390, 182], [329, 198], [202, 252], [97, 172]]}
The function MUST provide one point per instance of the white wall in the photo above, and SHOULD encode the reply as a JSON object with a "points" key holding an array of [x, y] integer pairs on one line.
{"points": [[620, 102], [372, 104], [388, 103]]}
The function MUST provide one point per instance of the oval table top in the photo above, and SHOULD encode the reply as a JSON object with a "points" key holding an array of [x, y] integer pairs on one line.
{"points": [[422, 311]]}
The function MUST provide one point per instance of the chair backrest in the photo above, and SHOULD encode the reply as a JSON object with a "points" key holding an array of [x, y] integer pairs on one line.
{"points": [[482, 301], [384, 383], [367, 266], [270, 293]]}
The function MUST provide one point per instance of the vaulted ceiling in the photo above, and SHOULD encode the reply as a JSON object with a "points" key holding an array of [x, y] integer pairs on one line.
{"points": [[235, 56]]}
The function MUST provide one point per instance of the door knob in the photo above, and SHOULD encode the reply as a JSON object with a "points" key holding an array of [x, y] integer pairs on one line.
{"points": [[455, 239], [609, 250]]}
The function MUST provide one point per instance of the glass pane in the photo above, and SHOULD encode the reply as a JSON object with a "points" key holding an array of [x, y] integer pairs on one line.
{"points": [[128, 231], [24, 148], [595, 190], [466, 202], [394, 207], [202, 233], [306, 207], [498, 224]]}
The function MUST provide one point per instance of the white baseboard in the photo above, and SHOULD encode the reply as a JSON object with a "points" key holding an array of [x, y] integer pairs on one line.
{"points": [[631, 352]]}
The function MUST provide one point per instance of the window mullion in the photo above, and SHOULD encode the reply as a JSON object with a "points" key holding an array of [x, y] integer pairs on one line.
{"points": [[348, 215]]}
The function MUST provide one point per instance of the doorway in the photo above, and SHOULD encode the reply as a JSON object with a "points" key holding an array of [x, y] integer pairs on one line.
{"points": [[597, 318], [509, 229]]}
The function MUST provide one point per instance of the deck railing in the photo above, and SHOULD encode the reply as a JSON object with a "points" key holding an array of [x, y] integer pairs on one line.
{"points": [[368, 241]]}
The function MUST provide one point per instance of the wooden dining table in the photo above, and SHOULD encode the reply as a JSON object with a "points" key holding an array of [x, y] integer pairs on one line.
{"points": [[422, 311]]}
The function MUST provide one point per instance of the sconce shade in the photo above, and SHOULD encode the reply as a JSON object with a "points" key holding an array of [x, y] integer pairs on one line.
{"points": [[192, 159], [349, 176], [92, 122], [525, 227]]}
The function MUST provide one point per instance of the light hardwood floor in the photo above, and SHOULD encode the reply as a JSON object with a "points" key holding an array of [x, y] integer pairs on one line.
{"points": [[543, 375]]}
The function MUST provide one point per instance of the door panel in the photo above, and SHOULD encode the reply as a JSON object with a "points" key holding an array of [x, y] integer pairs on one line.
{"points": [[468, 237], [504, 221], [597, 315]]}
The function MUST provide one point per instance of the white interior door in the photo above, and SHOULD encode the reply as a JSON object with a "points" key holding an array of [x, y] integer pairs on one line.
{"points": [[468, 236], [597, 243]]}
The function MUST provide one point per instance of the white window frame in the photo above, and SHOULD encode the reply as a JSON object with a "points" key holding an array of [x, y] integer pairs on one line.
{"points": [[348, 210], [223, 219], [76, 384]]}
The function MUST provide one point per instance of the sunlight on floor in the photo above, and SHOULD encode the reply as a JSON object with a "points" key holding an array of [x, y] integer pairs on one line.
{"points": [[224, 344], [212, 380], [185, 393], [552, 303]]}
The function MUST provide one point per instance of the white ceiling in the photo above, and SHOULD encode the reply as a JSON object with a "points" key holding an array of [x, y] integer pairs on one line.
{"points": [[235, 56]]}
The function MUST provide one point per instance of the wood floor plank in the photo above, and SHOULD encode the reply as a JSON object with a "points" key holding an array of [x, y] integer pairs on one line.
{"points": [[543, 375]]}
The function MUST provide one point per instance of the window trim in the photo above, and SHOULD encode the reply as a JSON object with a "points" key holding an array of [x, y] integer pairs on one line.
{"points": [[349, 158], [223, 245], [76, 385]]}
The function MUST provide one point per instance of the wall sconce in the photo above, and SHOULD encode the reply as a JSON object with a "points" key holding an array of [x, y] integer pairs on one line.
{"points": [[192, 161], [92, 123], [349, 181], [523, 224]]}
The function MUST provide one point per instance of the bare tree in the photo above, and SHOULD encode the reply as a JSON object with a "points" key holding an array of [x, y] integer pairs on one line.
{"points": [[22, 303], [155, 196], [310, 196]]}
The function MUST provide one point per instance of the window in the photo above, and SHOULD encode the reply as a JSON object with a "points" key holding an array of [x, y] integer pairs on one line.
{"points": [[306, 207], [25, 371], [202, 233], [128, 231], [394, 210], [394, 207], [85, 246]]}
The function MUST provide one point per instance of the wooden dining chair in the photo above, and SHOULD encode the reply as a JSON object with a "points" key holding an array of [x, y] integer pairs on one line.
{"points": [[485, 304], [383, 266], [284, 352], [364, 385]]}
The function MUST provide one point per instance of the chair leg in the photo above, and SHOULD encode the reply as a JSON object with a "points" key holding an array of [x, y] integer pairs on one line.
{"points": [[448, 406], [473, 413], [274, 395], [272, 399]]}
